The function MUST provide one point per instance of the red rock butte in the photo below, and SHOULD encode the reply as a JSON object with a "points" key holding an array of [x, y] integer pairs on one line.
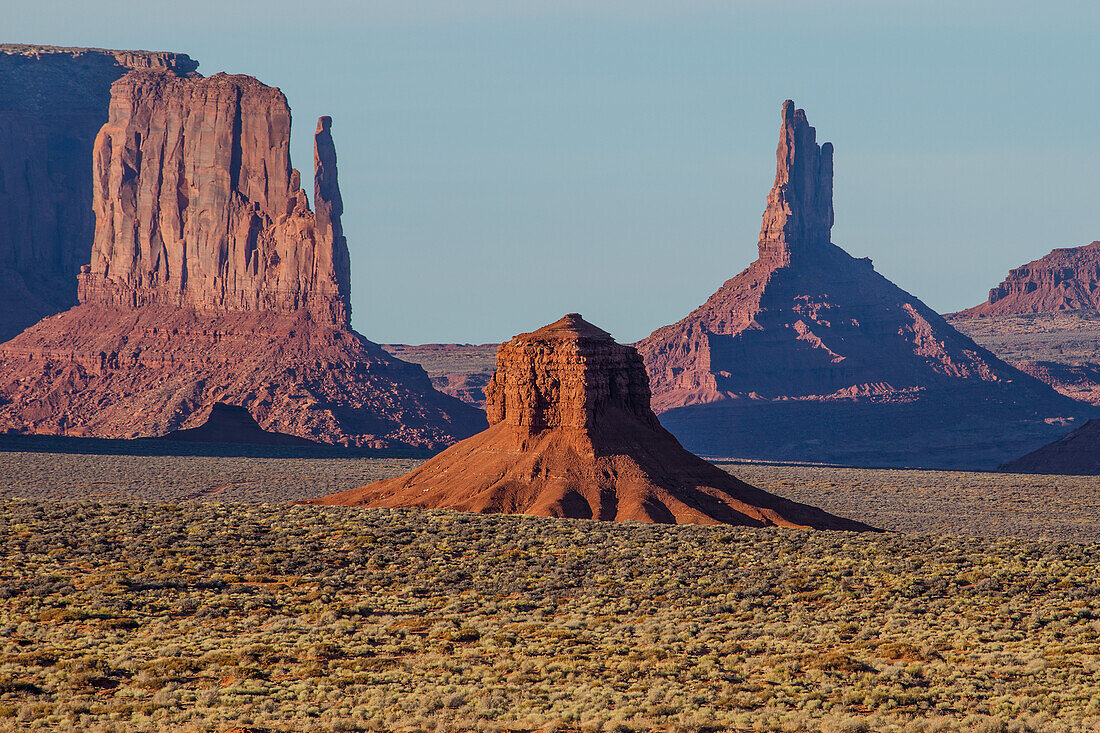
{"points": [[810, 354], [1065, 280], [211, 280], [572, 435]]}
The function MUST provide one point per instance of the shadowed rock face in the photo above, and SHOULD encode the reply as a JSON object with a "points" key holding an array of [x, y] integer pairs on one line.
{"points": [[234, 424], [572, 435], [53, 102], [1076, 454], [1065, 280], [197, 205], [212, 281], [810, 354]]}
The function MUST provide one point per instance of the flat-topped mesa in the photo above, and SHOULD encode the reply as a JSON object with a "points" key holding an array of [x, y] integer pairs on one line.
{"points": [[197, 205], [799, 211], [1067, 279], [568, 374]]}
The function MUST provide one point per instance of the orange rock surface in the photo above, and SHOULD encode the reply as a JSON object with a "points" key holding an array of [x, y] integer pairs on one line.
{"points": [[572, 435], [212, 281], [1065, 280]]}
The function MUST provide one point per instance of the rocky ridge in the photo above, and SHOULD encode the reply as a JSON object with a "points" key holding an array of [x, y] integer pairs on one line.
{"points": [[212, 281], [1065, 280], [810, 354], [1077, 454], [572, 435], [53, 102]]}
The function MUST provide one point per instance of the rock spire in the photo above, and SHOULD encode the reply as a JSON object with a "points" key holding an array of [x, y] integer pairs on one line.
{"points": [[572, 435], [799, 211], [809, 354]]}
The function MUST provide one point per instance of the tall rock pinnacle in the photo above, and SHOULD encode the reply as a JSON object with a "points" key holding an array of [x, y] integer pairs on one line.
{"points": [[329, 206], [571, 434], [799, 212], [809, 354]]}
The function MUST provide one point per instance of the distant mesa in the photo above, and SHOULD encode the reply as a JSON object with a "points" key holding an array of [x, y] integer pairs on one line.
{"points": [[1065, 280], [460, 370], [52, 103], [1075, 454], [572, 435], [811, 355], [1043, 319], [211, 280], [234, 424]]}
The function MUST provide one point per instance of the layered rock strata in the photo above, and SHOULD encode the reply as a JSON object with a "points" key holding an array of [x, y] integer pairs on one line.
{"points": [[1065, 280], [572, 435], [212, 281], [53, 102], [197, 205], [810, 354]]}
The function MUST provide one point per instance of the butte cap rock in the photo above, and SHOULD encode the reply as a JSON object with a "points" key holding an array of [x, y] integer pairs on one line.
{"points": [[572, 435], [809, 354], [211, 280]]}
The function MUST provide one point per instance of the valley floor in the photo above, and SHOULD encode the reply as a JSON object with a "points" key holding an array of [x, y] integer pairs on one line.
{"points": [[137, 610]]}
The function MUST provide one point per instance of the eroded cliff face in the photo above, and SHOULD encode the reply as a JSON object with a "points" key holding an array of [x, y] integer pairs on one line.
{"points": [[565, 375], [1065, 280], [572, 435], [810, 354], [53, 102], [212, 281], [197, 205], [798, 216]]}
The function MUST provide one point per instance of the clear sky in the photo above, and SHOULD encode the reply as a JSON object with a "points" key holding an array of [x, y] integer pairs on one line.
{"points": [[503, 162]]}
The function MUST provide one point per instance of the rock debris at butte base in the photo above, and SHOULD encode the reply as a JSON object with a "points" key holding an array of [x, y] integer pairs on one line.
{"points": [[210, 280], [572, 435], [52, 103], [1075, 454], [811, 355]]}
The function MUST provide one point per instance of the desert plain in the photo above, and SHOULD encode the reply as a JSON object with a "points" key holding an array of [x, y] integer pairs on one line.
{"points": [[182, 592]]}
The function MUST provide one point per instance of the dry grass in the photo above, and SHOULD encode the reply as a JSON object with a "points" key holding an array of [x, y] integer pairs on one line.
{"points": [[202, 616]]}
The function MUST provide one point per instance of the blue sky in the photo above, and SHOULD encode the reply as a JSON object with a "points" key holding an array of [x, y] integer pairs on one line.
{"points": [[504, 163]]}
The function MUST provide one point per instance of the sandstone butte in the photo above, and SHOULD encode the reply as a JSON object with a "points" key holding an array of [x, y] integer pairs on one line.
{"points": [[571, 434], [1076, 454], [52, 103], [810, 354], [1065, 280], [211, 280]]}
